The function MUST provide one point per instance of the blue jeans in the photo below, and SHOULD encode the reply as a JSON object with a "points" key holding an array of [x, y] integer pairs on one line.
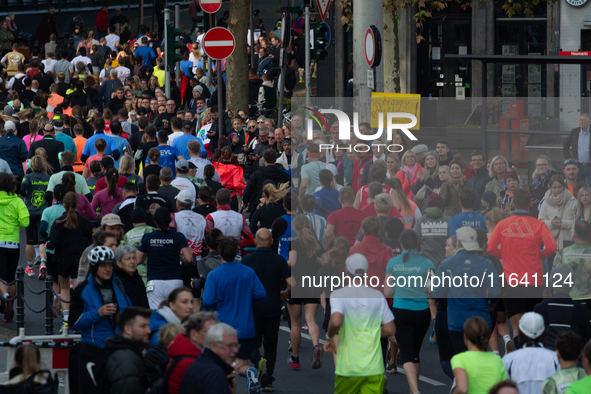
{"points": [[585, 173]]}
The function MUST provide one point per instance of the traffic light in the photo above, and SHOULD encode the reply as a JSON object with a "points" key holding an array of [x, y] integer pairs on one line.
{"points": [[172, 44], [320, 42]]}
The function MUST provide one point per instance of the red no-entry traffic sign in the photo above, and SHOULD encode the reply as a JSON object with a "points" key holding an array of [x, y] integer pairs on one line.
{"points": [[373, 46], [219, 43], [210, 6]]}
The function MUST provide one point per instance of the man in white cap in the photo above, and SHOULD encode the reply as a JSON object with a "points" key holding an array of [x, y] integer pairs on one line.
{"points": [[359, 314], [182, 181], [420, 151], [192, 225], [532, 364], [466, 299]]}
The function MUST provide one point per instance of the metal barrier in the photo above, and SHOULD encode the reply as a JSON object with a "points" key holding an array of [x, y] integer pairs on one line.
{"points": [[54, 350], [21, 302]]}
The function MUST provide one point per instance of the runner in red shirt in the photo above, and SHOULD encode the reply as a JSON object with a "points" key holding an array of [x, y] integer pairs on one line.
{"points": [[344, 222]]}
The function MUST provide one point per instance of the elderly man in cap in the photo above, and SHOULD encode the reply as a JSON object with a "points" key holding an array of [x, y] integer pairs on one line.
{"points": [[182, 181], [420, 151], [359, 314], [13, 150]]}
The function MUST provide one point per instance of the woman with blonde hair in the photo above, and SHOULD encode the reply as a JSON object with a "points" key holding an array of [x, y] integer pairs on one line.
{"points": [[499, 167], [393, 165], [409, 173], [271, 209], [195, 56], [305, 253], [583, 210], [540, 179], [27, 362], [494, 216], [410, 211], [127, 169]]}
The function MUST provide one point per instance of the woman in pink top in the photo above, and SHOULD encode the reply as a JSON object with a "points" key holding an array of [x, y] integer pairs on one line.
{"points": [[84, 208], [33, 135], [100, 145], [106, 199]]}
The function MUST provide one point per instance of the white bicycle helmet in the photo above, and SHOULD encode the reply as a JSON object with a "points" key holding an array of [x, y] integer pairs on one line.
{"points": [[100, 255]]}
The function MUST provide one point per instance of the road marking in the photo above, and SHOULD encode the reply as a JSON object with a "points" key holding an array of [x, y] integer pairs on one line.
{"points": [[303, 335], [400, 370], [424, 379]]}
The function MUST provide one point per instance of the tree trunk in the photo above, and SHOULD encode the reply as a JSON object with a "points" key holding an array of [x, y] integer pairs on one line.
{"points": [[237, 63], [391, 51]]}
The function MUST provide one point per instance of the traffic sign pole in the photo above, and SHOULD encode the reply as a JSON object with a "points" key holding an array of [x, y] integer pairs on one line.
{"points": [[307, 58], [220, 98], [209, 62], [177, 24], [166, 49]]}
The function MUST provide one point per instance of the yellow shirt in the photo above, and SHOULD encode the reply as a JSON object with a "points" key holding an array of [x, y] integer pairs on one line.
{"points": [[161, 74]]}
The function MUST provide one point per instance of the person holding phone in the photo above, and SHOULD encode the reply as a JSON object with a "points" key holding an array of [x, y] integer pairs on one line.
{"points": [[558, 210]]}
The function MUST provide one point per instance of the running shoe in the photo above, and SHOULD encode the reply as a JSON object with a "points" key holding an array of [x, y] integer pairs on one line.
{"points": [[391, 369], [314, 75], [252, 383], [399, 358], [301, 80], [509, 346], [264, 378], [317, 357], [65, 326], [29, 270], [37, 260], [8, 312], [294, 362], [305, 327], [42, 272], [57, 310], [269, 388], [289, 348], [433, 337], [284, 313]]}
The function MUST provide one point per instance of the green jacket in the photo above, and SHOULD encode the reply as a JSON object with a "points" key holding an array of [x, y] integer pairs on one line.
{"points": [[6, 39], [578, 258], [13, 215], [451, 198], [559, 381]]}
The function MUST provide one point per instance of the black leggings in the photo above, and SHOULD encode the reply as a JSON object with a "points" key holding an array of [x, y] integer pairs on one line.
{"points": [[446, 350], [411, 327], [457, 341], [8, 263]]}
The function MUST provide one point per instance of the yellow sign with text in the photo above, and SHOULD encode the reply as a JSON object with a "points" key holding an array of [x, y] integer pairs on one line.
{"points": [[395, 102]]}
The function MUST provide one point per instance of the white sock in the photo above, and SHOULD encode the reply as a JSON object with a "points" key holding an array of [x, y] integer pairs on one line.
{"points": [[6, 295], [495, 352], [37, 251], [66, 315], [506, 338]]}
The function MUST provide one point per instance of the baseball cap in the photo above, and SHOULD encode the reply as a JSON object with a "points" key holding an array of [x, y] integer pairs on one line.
{"points": [[187, 124], [182, 165], [489, 197], [356, 264], [184, 196], [107, 162], [141, 111], [192, 165], [138, 215], [532, 325], [468, 237], [198, 88], [421, 148], [332, 168], [111, 219], [9, 125]]}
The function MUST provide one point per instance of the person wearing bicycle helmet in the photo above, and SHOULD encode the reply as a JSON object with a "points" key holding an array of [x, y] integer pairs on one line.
{"points": [[96, 302]]}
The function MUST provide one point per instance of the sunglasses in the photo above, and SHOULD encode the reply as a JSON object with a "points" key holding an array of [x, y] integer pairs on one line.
{"points": [[261, 122], [571, 161], [252, 127]]}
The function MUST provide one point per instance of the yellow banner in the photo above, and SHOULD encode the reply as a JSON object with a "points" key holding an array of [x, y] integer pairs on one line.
{"points": [[395, 102]]}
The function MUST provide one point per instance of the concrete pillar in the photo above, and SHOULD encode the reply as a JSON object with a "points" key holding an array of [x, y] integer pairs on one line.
{"points": [[483, 39]]}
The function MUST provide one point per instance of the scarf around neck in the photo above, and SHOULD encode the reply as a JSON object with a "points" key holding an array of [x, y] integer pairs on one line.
{"points": [[560, 200], [412, 171], [538, 182]]}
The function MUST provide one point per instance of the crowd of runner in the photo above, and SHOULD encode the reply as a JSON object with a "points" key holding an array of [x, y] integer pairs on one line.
{"points": [[177, 248]]}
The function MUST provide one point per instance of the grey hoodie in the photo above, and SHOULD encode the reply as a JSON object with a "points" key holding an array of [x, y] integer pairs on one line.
{"points": [[433, 231]]}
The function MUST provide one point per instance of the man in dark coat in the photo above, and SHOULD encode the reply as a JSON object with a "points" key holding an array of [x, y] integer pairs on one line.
{"points": [[209, 372], [125, 367]]}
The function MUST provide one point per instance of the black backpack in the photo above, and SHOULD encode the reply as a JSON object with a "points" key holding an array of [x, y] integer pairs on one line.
{"points": [[18, 84], [160, 386], [87, 369]]}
